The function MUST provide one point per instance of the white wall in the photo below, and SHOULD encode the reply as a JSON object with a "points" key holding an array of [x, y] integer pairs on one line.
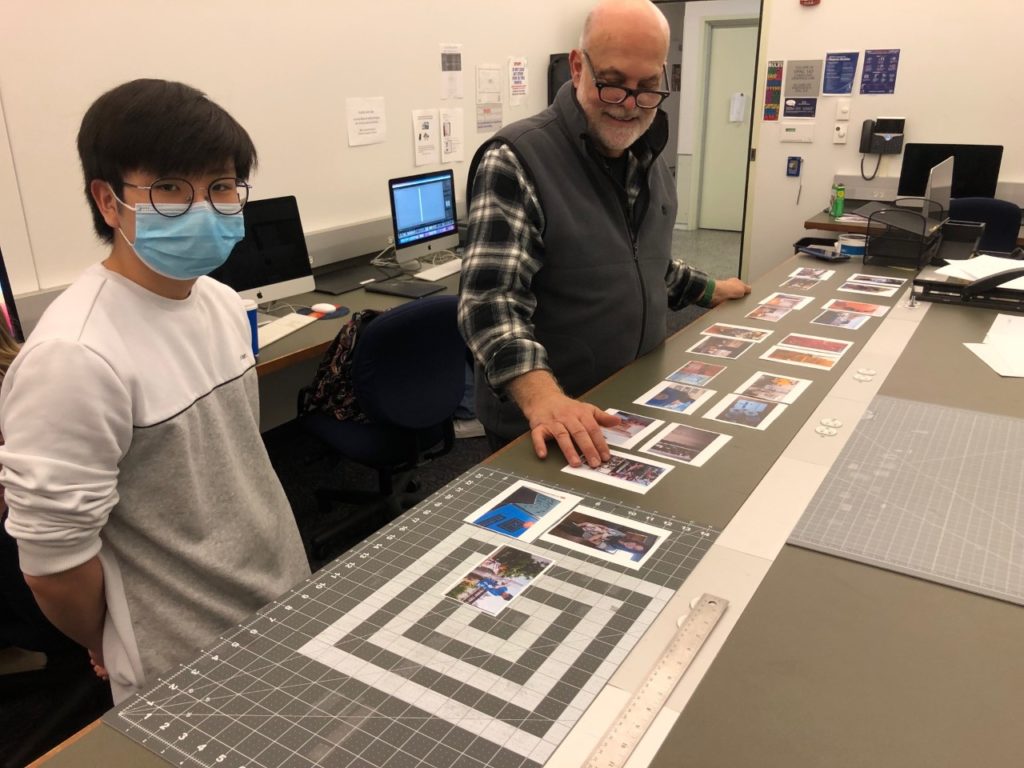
{"points": [[956, 83], [283, 69]]}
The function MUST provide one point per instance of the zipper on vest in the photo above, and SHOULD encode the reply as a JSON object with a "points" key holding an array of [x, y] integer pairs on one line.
{"points": [[643, 292]]}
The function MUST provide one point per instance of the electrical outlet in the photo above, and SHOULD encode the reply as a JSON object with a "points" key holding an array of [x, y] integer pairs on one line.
{"points": [[839, 134]]}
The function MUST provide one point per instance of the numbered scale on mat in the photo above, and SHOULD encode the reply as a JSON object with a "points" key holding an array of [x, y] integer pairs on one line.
{"points": [[371, 662]]}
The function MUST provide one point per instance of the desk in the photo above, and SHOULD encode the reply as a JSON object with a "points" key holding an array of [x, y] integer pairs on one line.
{"points": [[818, 660], [288, 364], [823, 221]]}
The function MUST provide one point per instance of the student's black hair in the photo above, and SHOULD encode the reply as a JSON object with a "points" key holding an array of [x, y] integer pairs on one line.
{"points": [[162, 127]]}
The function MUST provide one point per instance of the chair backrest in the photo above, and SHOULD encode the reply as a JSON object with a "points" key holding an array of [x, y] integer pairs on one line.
{"points": [[1000, 217], [408, 367]]}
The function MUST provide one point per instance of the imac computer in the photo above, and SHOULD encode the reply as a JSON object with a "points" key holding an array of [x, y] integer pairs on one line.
{"points": [[937, 190], [8, 312], [977, 168], [423, 214], [271, 262]]}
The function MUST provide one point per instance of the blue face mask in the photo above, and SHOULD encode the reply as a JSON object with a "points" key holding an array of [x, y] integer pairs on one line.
{"points": [[187, 246]]}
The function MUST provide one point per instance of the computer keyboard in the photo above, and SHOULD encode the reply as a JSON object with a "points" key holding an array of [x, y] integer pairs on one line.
{"points": [[282, 326], [440, 271]]}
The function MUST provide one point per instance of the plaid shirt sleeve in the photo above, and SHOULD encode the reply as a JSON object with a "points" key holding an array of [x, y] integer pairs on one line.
{"points": [[687, 285], [496, 303]]}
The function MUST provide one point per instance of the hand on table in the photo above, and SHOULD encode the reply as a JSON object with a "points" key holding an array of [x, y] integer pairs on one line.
{"points": [[733, 288], [96, 659]]}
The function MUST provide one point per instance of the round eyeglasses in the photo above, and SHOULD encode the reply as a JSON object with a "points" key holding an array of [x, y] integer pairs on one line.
{"points": [[173, 196], [645, 98]]}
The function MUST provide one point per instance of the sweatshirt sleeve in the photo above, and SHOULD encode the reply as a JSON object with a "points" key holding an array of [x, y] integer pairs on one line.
{"points": [[66, 419]]}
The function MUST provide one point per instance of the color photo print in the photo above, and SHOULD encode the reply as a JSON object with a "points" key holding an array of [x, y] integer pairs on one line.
{"points": [[808, 351], [719, 346], [631, 429], [686, 444], [523, 510], [607, 537], [745, 411], [678, 398], [624, 471], [736, 332], [498, 579], [695, 372], [773, 387]]}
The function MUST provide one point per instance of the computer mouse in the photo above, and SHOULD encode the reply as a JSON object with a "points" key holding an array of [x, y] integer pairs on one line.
{"points": [[323, 308]]}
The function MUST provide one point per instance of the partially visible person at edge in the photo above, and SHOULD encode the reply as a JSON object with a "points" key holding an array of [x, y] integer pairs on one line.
{"points": [[148, 516], [568, 274]]}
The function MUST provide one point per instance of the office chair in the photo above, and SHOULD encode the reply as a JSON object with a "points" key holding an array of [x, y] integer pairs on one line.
{"points": [[408, 377], [1001, 218]]}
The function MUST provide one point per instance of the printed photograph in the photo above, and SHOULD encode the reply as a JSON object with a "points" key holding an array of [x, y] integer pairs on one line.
{"points": [[624, 471], [814, 273], [786, 300], [861, 307], [768, 313], [869, 288], [686, 444], [523, 510], [719, 346], [745, 411], [631, 429], [819, 343], [679, 398], [848, 320], [609, 537], [861, 277], [773, 387], [498, 579], [695, 372], [800, 283], [794, 356], [736, 332]]}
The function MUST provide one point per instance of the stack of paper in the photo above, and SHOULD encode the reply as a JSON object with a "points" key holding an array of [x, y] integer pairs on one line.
{"points": [[1003, 348], [981, 266]]}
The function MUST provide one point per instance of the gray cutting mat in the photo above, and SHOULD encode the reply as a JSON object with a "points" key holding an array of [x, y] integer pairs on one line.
{"points": [[367, 664], [929, 491]]}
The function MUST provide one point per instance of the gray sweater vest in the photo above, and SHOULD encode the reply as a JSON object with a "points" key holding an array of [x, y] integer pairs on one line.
{"points": [[601, 295]]}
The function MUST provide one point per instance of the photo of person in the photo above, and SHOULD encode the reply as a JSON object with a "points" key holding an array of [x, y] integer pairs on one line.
{"points": [[773, 387], [786, 301], [736, 332], [686, 444], [623, 471], [719, 346], [498, 579], [800, 283], [817, 343], [849, 320], [861, 307], [745, 411], [869, 288], [523, 510], [631, 429], [795, 356], [608, 537], [695, 372], [813, 273], [679, 398], [768, 313]]}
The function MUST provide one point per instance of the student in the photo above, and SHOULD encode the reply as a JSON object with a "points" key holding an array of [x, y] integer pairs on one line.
{"points": [[148, 517], [568, 274]]}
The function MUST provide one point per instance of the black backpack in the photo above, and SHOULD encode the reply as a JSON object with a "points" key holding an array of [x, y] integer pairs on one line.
{"points": [[331, 390]]}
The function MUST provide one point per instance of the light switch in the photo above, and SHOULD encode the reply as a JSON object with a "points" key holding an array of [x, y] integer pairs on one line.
{"points": [[842, 109], [839, 133]]}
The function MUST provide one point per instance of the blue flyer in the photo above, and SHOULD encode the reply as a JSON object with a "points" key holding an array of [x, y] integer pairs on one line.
{"points": [[880, 67], [840, 69]]}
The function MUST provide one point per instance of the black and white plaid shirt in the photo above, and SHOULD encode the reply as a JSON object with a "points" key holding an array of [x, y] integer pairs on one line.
{"points": [[505, 225]]}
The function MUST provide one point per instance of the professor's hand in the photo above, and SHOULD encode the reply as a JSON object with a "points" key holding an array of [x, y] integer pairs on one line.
{"points": [[733, 288]]}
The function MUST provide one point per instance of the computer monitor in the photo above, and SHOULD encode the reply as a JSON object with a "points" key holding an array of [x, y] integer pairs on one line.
{"points": [[8, 312], [977, 168], [271, 262], [423, 214], [937, 190]]}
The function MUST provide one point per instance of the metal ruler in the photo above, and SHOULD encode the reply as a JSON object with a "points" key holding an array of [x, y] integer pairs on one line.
{"points": [[638, 714]]}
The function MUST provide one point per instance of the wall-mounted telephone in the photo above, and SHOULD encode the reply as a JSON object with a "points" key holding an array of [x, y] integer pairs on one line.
{"points": [[883, 136]]}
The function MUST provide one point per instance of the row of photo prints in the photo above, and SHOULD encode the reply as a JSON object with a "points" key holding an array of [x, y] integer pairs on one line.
{"points": [[755, 404]]}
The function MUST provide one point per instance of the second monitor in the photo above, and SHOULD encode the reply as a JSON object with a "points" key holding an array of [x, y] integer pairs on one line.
{"points": [[423, 214]]}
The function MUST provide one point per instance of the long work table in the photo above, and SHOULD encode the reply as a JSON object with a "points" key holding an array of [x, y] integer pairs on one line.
{"points": [[818, 660]]}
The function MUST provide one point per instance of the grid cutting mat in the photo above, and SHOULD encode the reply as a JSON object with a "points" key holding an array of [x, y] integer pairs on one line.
{"points": [[930, 491], [368, 664]]}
